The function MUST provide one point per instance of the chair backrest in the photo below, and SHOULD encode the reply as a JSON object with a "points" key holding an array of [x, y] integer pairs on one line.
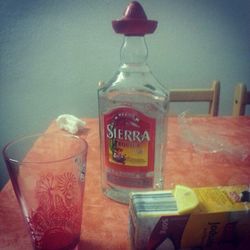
{"points": [[241, 99], [210, 95]]}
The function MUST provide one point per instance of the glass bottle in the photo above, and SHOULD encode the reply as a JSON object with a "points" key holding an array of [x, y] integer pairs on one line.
{"points": [[133, 108]]}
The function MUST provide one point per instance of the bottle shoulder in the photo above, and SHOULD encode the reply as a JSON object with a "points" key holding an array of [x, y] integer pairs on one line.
{"points": [[134, 81]]}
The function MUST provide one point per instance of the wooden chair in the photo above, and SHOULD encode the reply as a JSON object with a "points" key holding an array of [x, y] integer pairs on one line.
{"points": [[210, 95], [241, 99]]}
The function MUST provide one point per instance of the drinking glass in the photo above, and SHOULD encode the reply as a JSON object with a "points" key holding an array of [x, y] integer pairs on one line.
{"points": [[47, 172]]}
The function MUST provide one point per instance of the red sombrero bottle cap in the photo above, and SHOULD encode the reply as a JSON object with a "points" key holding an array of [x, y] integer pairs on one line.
{"points": [[134, 21]]}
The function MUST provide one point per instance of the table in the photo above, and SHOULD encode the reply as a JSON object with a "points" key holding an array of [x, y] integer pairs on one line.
{"points": [[105, 222]]}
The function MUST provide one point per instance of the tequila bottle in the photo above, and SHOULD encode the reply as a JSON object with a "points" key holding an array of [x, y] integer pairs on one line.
{"points": [[133, 108]]}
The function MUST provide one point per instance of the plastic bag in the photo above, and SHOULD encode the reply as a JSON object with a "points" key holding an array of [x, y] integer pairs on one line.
{"points": [[206, 139]]}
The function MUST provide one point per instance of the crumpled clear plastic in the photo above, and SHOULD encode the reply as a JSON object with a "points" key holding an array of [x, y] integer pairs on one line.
{"points": [[206, 139]]}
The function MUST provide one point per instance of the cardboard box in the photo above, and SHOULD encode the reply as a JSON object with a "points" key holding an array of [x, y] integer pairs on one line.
{"points": [[190, 218]]}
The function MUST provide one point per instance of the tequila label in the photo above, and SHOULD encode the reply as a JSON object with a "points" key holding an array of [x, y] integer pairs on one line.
{"points": [[129, 148]]}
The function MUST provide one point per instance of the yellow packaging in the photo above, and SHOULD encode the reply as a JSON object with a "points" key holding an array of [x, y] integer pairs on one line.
{"points": [[189, 218]]}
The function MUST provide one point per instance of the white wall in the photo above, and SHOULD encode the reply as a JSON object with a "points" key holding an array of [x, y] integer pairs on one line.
{"points": [[53, 53]]}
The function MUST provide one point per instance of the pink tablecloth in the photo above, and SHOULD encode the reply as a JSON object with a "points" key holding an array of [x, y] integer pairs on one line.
{"points": [[205, 151]]}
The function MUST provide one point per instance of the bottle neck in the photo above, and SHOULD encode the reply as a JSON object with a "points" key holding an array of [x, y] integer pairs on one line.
{"points": [[134, 50]]}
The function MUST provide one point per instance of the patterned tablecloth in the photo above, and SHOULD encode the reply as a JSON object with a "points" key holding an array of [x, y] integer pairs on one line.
{"points": [[202, 151]]}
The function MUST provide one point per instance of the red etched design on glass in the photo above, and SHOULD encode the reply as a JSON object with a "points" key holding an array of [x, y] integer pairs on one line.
{"points": [[56, 222]]}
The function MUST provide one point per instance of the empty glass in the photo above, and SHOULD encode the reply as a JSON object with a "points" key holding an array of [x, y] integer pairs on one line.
{"points": [[47, 172]]}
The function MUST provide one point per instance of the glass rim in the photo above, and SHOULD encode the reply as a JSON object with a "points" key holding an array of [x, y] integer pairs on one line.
{"points": [[7, 146]]}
